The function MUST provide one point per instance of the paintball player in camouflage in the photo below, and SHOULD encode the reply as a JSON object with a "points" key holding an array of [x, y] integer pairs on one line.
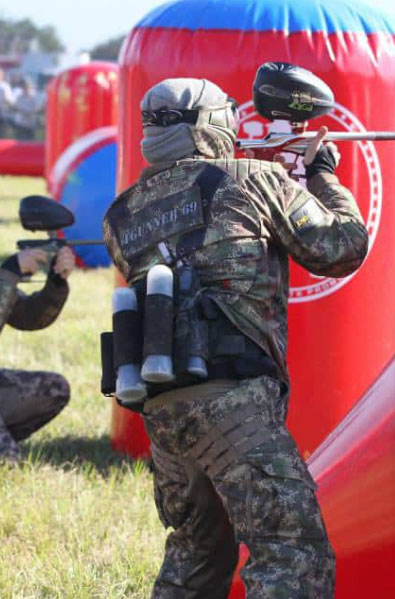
{"points": [[28, 400], [226, 468]]}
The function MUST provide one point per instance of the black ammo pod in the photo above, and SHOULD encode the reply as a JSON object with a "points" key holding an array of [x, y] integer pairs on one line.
{"points": [[108, 377], [122, 350], [191, 331]]}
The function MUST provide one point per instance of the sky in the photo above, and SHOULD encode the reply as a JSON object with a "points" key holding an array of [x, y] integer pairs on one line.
{"points": [[82, 24]]}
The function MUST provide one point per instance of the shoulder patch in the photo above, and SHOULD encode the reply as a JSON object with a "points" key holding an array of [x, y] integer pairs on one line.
{"points": [[306, 217]]}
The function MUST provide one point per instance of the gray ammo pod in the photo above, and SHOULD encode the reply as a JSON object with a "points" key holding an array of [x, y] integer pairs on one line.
{"points": [[158, 326]]}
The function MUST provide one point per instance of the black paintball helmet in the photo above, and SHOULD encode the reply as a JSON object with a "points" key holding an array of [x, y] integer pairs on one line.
{"points": [[288, 92]]}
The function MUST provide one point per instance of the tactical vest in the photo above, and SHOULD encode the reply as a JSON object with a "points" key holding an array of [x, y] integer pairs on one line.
{"points": [[192, 215]]}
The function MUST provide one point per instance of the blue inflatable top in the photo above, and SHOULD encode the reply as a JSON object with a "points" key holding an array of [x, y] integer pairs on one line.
{"points": [[329, 16]]}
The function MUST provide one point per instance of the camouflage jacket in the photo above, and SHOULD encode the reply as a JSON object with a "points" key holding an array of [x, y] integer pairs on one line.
{"points": [[237, 221], [29, 312]]}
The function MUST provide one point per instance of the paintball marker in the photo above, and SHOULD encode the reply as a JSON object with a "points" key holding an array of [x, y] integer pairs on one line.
{"points": [[285, 92], [38, 213]]}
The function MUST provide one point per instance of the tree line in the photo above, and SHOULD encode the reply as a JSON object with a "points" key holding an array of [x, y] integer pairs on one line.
{"points": [[16, 37]]}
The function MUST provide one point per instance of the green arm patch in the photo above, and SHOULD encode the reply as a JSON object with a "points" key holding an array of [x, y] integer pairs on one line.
{"points": [[8, 296]]}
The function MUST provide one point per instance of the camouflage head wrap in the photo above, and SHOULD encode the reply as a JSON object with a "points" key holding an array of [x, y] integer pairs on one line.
{"points": [[214, 133]]}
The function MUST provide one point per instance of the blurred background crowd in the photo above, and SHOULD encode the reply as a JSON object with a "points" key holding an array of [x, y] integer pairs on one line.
{"points": [[22, 107], [30, 56]]}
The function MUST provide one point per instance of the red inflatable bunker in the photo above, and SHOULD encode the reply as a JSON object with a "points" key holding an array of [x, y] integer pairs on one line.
{"points": [[22, 158], [341, 331], [79, 100], [355, 471]]}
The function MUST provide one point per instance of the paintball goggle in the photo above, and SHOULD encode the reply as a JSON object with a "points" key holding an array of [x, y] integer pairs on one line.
{"points": [[165, 117]]}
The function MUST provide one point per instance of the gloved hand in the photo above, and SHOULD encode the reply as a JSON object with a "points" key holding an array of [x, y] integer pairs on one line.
{"points": [[320, 158]]}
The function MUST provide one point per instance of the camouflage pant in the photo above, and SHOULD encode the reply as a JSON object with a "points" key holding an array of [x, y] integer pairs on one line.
{"points": [[228, 472], [28, 400]]}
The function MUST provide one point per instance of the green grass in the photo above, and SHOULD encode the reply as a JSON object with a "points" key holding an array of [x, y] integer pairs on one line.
{"points": [[77, 519]]}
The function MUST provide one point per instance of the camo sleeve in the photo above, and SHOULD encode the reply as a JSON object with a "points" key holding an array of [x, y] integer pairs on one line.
{"points": [[321, 228], [38, 310], [8, 295]]}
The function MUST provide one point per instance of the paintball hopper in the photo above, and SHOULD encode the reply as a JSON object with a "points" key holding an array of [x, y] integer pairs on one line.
{"points": [[284, 91], [38, 213]]}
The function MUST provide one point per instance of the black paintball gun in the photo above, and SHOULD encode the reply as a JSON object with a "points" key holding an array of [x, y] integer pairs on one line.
{"points": [[285, 92], [39, 213]]}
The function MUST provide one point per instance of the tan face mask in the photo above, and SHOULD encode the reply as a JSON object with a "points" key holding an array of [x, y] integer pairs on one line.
{"points": [[215, 131]]}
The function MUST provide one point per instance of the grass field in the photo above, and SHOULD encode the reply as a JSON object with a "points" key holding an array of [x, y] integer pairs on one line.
{"points": [[77, 520]]}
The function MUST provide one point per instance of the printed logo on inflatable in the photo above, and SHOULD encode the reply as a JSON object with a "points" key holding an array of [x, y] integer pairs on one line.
{"points": [[305, 286]]}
